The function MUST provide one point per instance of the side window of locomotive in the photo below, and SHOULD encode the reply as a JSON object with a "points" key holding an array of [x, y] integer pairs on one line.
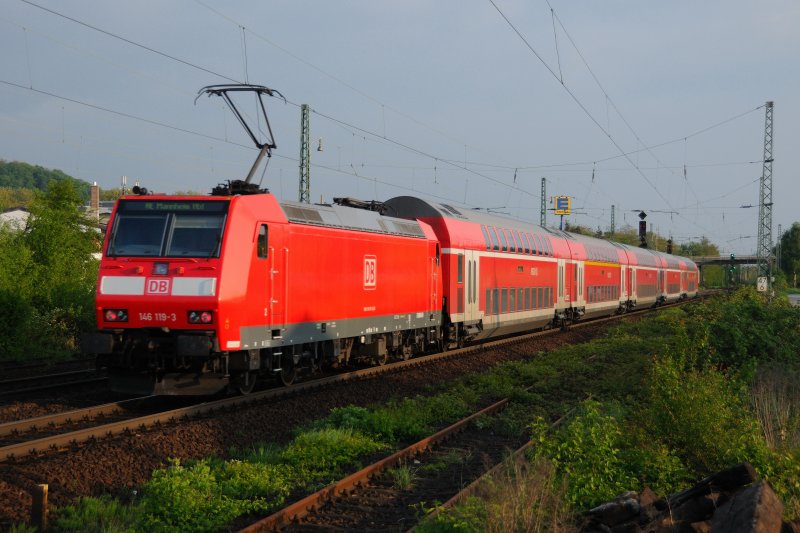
{"points": [[262, 244]]}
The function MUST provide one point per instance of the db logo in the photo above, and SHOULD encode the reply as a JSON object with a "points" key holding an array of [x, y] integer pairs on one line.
{"points": [[370, 271], [158, 286]]}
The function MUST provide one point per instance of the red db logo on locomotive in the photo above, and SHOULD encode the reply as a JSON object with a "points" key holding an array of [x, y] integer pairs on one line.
{"points": [[370, 271], [158, 286]]}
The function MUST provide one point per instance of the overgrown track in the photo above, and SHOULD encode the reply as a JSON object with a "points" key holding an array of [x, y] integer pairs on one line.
{"points": [[437, 468], [92, 427]]}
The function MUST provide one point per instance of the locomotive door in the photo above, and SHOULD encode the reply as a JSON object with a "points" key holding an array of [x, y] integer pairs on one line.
{"points": [[278, 277], [471, 311]]}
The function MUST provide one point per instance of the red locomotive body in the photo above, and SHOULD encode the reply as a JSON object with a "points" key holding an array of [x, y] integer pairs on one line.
{"points": [[195, 293]]}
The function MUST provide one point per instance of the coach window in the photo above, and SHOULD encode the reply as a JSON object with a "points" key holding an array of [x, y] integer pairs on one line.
{"points": [[503, 240], [460, 268], [512, 300], [495, 302], [504, 300], [526, 245], [486, 238], [495, 242], [262, 242]]}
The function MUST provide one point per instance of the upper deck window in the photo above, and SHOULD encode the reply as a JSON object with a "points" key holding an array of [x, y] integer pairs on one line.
{"points": [[503, 240], [495, 241], [525, 242], [179, 228]]}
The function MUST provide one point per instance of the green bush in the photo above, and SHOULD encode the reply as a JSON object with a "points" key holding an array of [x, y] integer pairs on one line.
{"points": [[207, 495], [48, 270], [94, 515], [587, 451]]}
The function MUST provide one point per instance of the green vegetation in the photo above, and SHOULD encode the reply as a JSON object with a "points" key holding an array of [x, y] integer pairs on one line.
{"points": [[721, 389], [660, 402], [18, 181], [47, 277]]}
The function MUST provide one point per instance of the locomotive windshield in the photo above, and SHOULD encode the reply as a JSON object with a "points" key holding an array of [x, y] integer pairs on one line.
{"points": [[179, 228]]}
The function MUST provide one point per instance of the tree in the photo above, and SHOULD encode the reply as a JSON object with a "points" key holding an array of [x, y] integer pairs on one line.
{"points": [[19, 175], [48, 276], [790, 252], [703, 248]]}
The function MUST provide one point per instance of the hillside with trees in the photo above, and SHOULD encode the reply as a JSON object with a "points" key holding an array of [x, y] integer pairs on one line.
{"points": [[18, 180]]}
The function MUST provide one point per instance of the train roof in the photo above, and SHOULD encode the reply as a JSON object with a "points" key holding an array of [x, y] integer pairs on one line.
{"points": [[599, 249], [340, 217]]}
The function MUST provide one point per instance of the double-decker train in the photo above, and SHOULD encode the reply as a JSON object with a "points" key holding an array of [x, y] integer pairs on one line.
{"points": [[198, 294]]}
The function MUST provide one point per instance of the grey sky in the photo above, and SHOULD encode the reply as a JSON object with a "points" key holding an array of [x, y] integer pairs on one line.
{"points": [[437, 99]]}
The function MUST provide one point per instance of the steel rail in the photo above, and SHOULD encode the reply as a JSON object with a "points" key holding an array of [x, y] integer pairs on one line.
{"points": [[54, 442], [305, 506], [34, 379], [31, 424]]}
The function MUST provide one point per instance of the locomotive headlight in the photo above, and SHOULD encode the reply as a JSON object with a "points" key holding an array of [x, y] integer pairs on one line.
{"points": [[201, 317], [115, 315], [160, 269]]}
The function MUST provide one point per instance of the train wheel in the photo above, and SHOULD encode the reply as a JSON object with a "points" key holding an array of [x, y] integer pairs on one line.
{"points": [[244, 382], [288, 371]]}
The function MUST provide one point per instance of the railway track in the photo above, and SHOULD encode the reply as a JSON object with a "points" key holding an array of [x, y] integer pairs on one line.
{"points": [[18, 440], [30, 384], [373, 499]]}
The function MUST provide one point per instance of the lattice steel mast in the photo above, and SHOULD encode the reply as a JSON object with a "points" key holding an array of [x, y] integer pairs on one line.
{"points": [[305, 157], [543, 206], [764, 251]]}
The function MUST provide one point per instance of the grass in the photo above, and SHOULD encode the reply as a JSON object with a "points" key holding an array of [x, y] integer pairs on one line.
{"points": [[664, 410]]}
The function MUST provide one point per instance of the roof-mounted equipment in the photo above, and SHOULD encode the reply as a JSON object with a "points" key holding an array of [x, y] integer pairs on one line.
{"points": [[265, 148]]}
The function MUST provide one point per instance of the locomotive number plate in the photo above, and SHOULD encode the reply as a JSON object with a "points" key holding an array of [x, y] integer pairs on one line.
{"points": [[158, 317]]}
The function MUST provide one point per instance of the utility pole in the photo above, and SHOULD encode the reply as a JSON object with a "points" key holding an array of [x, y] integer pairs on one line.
{"points": [[543, 206], [778, 246], [613, 226], [764, 247], [305, 157]]}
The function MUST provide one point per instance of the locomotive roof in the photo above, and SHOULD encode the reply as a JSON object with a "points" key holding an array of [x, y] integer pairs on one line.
{"points": [[336, 216]]}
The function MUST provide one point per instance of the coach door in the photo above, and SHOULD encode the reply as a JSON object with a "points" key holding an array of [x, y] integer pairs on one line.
{"points": [[561, 281], [471, 311], [278, 276]]}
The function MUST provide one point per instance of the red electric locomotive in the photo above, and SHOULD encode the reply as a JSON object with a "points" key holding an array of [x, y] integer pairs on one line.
{"points": [[196, 293]]}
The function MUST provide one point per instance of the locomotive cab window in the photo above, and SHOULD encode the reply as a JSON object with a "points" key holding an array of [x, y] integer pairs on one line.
{"points": [[262, 244], [168, 229]]}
